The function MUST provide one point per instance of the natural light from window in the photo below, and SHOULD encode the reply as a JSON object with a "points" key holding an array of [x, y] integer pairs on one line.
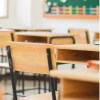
{"points": [[3, 8]]}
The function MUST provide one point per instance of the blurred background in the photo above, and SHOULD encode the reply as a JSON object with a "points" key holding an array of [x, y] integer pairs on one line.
{"points": [[29, 13]]}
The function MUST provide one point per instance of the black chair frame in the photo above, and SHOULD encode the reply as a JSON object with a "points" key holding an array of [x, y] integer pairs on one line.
{"points": [[13, 78]]}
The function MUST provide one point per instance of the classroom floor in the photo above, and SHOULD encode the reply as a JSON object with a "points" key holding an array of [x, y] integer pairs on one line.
{"points": [[7, 87], [28, 84]]}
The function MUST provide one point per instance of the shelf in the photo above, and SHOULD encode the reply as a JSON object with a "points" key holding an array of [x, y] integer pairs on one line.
{"points": [[36, 39], [72, 16], [76, 56]]}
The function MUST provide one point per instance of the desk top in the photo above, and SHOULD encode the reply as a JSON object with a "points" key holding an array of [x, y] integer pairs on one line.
{"points": [[29, 29], [43, 34], [96, 32], [89, 75], [85, 47]]}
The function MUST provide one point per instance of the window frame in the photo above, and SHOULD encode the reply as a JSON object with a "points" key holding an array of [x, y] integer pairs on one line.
{"points": [[7, 10]]}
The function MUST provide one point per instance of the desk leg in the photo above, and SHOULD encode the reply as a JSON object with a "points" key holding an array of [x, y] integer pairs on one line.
{"points": [[39, 83], [73, 65]]}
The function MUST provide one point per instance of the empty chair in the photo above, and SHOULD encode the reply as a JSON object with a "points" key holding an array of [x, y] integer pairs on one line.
{"points": [[96, 38], [35, 58], [62, 41], [83, 37]]}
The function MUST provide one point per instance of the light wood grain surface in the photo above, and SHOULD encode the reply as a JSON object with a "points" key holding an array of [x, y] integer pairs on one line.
{"points": [[5, 35], [78, 84], [31, 57], [44, 34], [88, 75], [76, 53], [96, 36], [85, 47]]}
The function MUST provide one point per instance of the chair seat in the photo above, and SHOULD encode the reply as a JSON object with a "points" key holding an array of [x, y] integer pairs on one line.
{"points": [[4, 65], [45, 96]]}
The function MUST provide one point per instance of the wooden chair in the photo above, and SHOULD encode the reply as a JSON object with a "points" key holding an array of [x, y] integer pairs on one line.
{"points": [[83, 37], [62, 41], [5, 35], [35, 58]]}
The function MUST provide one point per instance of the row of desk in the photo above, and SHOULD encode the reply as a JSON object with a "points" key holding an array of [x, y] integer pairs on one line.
{"points": [[82, 34], [75, 84], [77, 54], [46, 36], [82, 38], [42, 37]]}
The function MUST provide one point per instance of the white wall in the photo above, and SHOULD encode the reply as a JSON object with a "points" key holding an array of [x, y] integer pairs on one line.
{"points": [[19, 14], [23, 12], [61, 25]]}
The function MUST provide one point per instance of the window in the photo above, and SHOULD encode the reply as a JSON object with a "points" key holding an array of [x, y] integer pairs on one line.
{"points": [[3, 8]]}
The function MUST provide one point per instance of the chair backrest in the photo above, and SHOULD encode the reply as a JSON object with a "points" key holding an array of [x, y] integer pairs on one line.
{"points": [[83, 37], [1, 93], [62, 40], [96, 36], [31, 57], [6, 35]]}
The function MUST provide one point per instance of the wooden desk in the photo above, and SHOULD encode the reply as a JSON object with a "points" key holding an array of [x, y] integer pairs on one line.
{"points": [[30, 29], [38, 36], [78, 84], [76, 53], [96, 36]]}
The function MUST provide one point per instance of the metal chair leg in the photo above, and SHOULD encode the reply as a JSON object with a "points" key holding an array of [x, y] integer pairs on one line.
{"points": [[19, 79], [23, 83], [44, 83], [73, 65], [39, 84], [34, 79], [49, 84], [55, 84], [5, 71]]}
